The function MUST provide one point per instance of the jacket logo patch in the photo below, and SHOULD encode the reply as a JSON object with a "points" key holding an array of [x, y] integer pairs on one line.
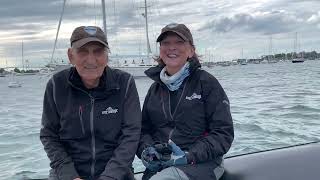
{"points": [[193, 96], [110, 110]]}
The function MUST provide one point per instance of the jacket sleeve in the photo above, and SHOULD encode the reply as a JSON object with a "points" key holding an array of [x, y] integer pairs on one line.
{"points": [[220, 133], [119, 166], [147, 128], [59, 159]]}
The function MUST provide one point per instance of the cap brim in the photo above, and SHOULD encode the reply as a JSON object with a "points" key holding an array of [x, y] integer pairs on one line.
{"points": [[84, 41], [161, 36]]}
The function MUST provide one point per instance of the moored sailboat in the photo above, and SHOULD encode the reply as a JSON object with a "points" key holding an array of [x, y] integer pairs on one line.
{"points": [[297, 59], [138, 66]]}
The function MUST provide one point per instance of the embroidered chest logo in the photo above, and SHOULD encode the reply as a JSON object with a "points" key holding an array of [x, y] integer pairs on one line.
{"points": [[193, 96], [110, 110]]}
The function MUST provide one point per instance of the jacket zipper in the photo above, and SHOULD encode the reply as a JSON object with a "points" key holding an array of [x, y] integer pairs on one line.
{"points": [[162, 102], [175, 110], [93, 140], [81, 120]]}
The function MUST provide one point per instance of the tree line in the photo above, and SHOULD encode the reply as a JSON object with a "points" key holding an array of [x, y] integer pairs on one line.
{"points": [[307, 55]]}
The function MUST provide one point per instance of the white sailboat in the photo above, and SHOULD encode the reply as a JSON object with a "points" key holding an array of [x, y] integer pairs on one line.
{"points": [[53, 66], [297, 59], [14, 84], [134, 66], [136, 69]]}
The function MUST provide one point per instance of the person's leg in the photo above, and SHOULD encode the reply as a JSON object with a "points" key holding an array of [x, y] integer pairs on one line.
{"points": [[219, 170], [147, 174], [170, 173], [52, 175]]}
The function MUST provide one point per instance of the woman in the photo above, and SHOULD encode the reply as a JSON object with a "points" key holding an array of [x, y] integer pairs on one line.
{"points": [[186, 112]]}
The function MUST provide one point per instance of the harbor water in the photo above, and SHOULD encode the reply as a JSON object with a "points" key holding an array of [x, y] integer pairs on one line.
{"points": [[273, 105]]}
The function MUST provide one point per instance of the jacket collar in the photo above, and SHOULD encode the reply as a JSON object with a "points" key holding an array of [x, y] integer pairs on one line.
{"points": [[154, 72], [107, 83]]}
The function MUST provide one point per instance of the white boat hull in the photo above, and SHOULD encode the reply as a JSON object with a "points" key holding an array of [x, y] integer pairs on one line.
{"points": [[14, 85]]}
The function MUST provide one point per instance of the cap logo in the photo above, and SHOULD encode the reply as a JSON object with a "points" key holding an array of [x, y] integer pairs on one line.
{"points": [[90, 30], [172, 25]]}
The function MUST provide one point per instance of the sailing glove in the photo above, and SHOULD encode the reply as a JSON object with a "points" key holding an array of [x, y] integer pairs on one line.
{"points": [[150, 159], [178, 157]]}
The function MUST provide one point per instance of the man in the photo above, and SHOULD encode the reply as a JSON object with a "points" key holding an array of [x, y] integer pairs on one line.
{"points": [[91, 117]]}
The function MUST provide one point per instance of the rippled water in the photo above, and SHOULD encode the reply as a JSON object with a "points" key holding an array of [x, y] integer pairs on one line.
{"points": [[273, 105]]}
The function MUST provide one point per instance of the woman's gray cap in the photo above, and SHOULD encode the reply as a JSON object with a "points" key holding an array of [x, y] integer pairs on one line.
{"points": [[85, 34]]}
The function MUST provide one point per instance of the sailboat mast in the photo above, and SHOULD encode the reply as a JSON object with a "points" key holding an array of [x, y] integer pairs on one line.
{"points": [[22, 55], [242, 53], [295, 44], [104, 17], [57, 34], [147, 29], [270, 49]]}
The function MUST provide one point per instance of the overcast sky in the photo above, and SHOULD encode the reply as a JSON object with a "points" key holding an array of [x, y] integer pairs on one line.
{"points": [[222, 29]]}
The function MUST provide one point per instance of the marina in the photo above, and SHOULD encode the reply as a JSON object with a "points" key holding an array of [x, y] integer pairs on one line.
{"points": [[273, 105], [265, 54]]}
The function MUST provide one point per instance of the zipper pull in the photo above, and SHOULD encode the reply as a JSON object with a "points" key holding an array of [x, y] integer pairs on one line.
{"points": [[92, 100]]}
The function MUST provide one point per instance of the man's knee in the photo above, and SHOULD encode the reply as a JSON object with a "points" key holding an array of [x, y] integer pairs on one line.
{"points": [[219, 170]]}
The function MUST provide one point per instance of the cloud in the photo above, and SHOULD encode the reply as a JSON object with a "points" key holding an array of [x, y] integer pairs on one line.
{"points": [[260, 22], [314, 19], [20, 12], [299, 1], [220, 25]]}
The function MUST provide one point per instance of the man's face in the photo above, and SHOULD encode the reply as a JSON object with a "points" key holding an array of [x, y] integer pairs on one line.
{"points": [[89, 60], [174, 52]]}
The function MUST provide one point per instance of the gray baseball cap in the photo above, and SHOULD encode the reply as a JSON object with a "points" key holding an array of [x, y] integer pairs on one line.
{"points": [[180, 29], [85, 34]]}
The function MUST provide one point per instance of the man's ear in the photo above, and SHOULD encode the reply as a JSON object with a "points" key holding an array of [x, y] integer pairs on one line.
{"points": [[70, 56]]}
